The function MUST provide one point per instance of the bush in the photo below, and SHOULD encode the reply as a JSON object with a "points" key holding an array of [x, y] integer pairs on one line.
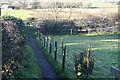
{"points": [[84, 63], [55, 27]]}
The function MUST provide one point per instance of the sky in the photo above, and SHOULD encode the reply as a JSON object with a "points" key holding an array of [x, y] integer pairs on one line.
{"points": [[58, 0]]}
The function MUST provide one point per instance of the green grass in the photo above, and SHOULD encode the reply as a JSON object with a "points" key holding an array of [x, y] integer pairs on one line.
{"points": [[100, 33], [23, 14], [57, 66], [30, 67], [104, 51]]}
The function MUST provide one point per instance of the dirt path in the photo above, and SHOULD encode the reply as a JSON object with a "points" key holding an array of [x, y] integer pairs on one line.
{"points": [[47, 70]]}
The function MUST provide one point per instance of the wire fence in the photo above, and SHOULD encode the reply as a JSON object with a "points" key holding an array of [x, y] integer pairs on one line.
{"points": [[56, 49]]}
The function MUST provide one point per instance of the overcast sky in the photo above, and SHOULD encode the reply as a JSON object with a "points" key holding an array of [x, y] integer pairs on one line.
{"points": [[57, 0]]}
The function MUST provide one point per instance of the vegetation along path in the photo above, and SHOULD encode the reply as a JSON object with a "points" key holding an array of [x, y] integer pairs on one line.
{"points": [[47, 69]]}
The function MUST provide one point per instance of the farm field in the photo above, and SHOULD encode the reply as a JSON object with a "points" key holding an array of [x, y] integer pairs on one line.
{"points": [[23, 14], [104, 51], [63, 14], [76, 13]]}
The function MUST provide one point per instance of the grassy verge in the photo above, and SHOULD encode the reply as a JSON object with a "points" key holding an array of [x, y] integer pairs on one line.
{"points": [[100, 33], [30, 67], [29, 64]]}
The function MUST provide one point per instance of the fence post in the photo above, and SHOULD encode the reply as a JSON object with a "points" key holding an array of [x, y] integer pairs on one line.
{"points": [[89, 51], [55, 50], [0, 11], [71, 31], [44, 40], [47, 41], [38, 33], [62, 46], [63, 60], [81, 57], [50, 50]]}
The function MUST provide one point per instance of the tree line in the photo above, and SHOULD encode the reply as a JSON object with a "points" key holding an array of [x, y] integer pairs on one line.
{"points": [[44, 5], [59, 27]]}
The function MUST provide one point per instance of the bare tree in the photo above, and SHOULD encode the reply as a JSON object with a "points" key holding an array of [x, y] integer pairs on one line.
{"points": [[36, 5], [56, 8]]}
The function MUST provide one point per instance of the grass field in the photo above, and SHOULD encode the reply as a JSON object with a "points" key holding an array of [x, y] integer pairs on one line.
{"points": [[75, 13], [63, 14], [23, 14], [104, 51]]}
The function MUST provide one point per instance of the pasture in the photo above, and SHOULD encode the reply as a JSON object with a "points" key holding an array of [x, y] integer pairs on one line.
{"points": [[104, 51], [63, 13], [75, 13], [23, 14]]}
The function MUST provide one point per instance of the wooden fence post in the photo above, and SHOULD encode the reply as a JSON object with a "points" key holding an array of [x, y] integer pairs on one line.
{"points": [[44, 40], [50, 50], [89, 52], [0, 11], [55, 50], [71, 31], [63, 60], [47, 41], [62, 46], [38, 33], [41, 37], [81, 58]]}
